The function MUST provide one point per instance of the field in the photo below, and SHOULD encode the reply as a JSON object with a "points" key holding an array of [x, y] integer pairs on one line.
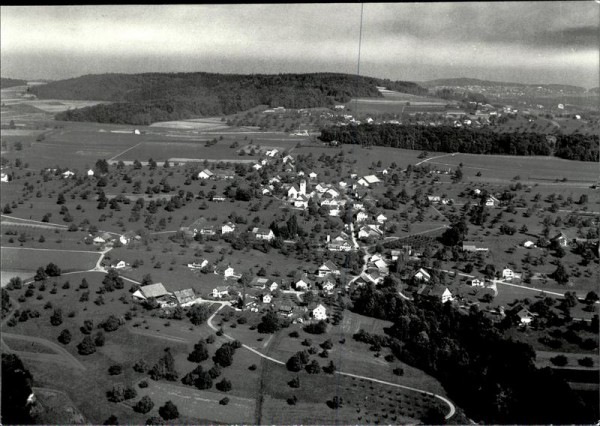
{"points": [[27, 259]]}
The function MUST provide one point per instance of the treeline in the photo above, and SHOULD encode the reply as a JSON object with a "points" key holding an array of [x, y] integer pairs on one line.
{"points": [[492, 378], [150, 97], [451, 139], [5, 83]]}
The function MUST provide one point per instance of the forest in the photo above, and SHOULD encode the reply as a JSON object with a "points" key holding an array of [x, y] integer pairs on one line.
{"points": [[146, 98], [5, 83], [492, 378], [451, 139]]}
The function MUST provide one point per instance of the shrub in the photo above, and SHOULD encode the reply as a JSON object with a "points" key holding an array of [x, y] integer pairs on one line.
{"points": [[292, 400], [143, 405], [224, 401], [224, 385], [586, 362], [168, 411], [65, 337], [295, 382], [143, 384], [559, 360], [398, 371], [313, 367], [115, 369], [316, 328], [86, 346]]}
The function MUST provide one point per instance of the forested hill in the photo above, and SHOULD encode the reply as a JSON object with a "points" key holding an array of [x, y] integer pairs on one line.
{"points": [[146, 98], [5, 83], [450, 139]]}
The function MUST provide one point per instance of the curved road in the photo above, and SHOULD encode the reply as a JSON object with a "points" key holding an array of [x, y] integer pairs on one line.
{"points": [[341, 373]]}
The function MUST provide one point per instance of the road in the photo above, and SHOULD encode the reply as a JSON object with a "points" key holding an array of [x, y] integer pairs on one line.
{"points": [[452, 408], [433, 158]]}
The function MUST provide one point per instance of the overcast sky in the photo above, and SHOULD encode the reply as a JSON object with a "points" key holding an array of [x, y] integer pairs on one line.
{"points": [[533, 42]]}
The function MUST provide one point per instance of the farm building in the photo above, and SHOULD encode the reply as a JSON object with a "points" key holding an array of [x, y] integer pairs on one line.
{"points": [[422, 275], [205, 174], [118, 264], [196, 265], [476, 282], [156, 291], [185, 297], [319, 313], [368, 180], [220, 291], [4, 177], [508, 274], [472, 246], [328, 268], [228, 228], [263, 234], [440, 293]]}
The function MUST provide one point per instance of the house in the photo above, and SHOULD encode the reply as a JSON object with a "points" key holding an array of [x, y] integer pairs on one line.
{"points": [[206, 174], [560, 239], [321, 188], [208, 230], [272, 152], [440, 293], [224, 174], [381, 266], [198, 225], [339, 246], [422, 275], [508, 274], [328, 285], [218, 198], [361, 216], [381, 218], [128, 237], [335, 212], [331, 192], [156, 291], [196, 265], [118, 264], [4, 177], [303, 283], [476, 282], [229, 272], [528, 244], [259, 282], [285, 310], [98, 240], [370, 231], [228, 228], [434, 198], [358, 206], [372, 275], [263, 234], [266, 298], [319, 313], [368, 180], [525, 317], [328, 268], [472, 246], [185, 297], [301, 202], [312, 175], [220, 291], [136, 132], [288, 159], [90, 173], [257, 166], [491, 201], [105, 237], [68, 174]]}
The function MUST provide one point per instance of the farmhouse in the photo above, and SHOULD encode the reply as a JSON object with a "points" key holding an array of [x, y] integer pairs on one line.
{"points": [[196, 265], [476, 282], [128, 237], [220, 291], [156, 291], [4, 177], [328, 268], [303, 283], [205, 174], [508, 274], [491, 201], [90, 173], [328, 285], [422, 275], [224, 174], [68, 174], [263, 234], [438, 292], [368, 180], [381, 218], [319, 313], [266, 298], [118, 264], [528, 244], [185, 297], [228, 228]]}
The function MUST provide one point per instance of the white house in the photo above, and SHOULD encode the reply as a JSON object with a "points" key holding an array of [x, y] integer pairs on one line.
{"points": [[99, 240], [287, 159], [528, 244], [319, 313], [422, 275], [361, 216], [328, 268], [228, 228], [263, 234], [205, 174], [136, 132], [266, 298], [381, 218], [118, 264], [272, 152], [328, 286], [476, 282], [220, 291], [90, 173], [525, 317], [301, 202], [273, 286], [293, 192], [196, 265], [257, 166], [491, 201], [68, 174], [312, 175], [508, 274], [229, 272], [4, 177], [303, 283], [445, 295]]}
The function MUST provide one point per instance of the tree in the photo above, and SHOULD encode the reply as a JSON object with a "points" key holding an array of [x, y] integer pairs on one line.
{"points": [[215, 371], [560, 274], [295, 382], [336, 402], [199, 354], [143, 405], [99, 339], [61, 198], [40, 274], [86, 346], [168, 411], [65, 337], [111, 324], [165, 368], [56, 318], [224, 401], [269, 323], [559, 360], [115, 369], [224, 355], [155, 420], [198, 314], [112, 420], [434, 416], [313, 367], [224, 385]]}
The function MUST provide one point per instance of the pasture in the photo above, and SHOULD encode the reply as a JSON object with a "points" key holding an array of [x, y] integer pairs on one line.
{"points": [[29, 259]]}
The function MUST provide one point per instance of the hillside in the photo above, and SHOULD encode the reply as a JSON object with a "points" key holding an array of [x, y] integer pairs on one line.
{"points": [[5, 83], [151, 97], [463, 81]]}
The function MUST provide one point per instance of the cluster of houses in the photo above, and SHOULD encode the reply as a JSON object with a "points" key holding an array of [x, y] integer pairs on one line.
{"points": [[164, 298]]}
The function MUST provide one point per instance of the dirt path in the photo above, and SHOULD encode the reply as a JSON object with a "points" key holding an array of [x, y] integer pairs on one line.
{"points": [[60, 355]]}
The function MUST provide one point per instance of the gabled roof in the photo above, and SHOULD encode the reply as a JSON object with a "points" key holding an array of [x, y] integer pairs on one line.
{"points": [[329, 265], [154, 290], [207, 172], [184, 296]]}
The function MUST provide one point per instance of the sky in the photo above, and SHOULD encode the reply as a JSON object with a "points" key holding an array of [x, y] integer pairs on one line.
{"points": [[529, 42]]}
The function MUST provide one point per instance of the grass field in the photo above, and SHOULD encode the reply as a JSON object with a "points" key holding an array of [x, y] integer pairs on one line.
{"points": [[26, 259]]}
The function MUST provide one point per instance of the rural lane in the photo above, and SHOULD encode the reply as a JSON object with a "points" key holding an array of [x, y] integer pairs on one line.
{"points": [[341, 373]]}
